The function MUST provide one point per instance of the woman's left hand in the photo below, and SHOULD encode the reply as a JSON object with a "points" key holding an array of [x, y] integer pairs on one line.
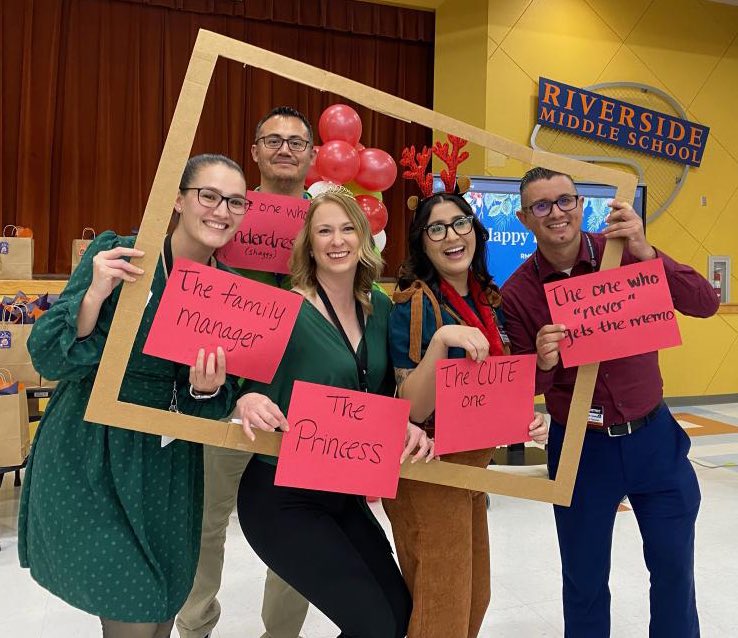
{"points": [[207, 375], [538, 429], [416, 438]]}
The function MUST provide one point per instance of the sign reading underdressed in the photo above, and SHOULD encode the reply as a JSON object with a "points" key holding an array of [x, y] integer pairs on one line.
{"points": [[598, 117]]}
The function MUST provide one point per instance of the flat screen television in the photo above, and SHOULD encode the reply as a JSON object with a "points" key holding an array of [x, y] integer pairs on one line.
{"points": [[495, 201]]}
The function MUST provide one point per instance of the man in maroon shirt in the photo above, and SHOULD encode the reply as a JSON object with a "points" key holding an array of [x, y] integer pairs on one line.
{"points": [[633, 446]]}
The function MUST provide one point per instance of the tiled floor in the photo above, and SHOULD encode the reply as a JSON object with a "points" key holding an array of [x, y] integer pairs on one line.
{"points": [[526, 584]]}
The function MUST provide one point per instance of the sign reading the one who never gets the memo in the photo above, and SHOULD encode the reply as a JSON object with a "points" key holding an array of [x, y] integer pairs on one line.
{"points": [[605, 119], [342, 441], [266, 235], [614, 313], [203, 307]]}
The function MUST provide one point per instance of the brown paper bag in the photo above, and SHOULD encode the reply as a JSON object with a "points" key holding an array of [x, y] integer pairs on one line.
{"points": [[14, 430], [79, 246], [16, 255], [14, 354]]}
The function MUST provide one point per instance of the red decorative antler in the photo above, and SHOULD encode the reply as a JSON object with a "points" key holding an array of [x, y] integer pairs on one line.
{"points": [[451, 159], [417, 165]]}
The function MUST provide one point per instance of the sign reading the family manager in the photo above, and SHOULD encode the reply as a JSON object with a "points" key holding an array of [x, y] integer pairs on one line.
{"points": [[614, 313], [342, 441], [267, 232], [608, 120], [486, 404], [203, 307]]}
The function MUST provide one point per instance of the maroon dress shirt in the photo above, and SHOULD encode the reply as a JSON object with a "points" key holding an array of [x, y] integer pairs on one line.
{"points": [[627, 388]]}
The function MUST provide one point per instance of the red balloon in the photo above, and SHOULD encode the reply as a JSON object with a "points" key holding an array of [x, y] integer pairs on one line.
{"points": [[377, 170], [375, 211], [313, 175], [340, 122], [337, 162], [360, 147]]}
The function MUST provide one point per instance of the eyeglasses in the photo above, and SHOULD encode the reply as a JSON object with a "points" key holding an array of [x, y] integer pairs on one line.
{"points": [[437, 231], [544, 207], [274, 142], [212, 199]]}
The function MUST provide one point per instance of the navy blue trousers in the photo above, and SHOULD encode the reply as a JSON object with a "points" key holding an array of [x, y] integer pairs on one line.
{"points": [[651, 468]]}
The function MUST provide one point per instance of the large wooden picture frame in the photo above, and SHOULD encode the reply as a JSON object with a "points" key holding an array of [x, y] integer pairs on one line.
{"points": [[104, 406]]}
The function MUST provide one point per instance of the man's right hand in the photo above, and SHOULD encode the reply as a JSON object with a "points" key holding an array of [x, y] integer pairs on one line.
{"points": [[547, 345]]}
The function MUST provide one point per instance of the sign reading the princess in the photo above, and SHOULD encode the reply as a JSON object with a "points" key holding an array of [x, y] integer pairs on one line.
{"points": [[573, 110]]}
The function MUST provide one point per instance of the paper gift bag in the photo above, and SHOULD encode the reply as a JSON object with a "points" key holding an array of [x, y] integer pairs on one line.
{"points": [[14, 431], [14, 354], [16, 254], [79, 246]]}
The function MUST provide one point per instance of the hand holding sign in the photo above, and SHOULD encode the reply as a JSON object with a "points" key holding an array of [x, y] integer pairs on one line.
{"points": [[207, 308], [614, 313], [342, 441], [548, 346], [258, 411], [417, 439], [207, 375], [485, 404]]}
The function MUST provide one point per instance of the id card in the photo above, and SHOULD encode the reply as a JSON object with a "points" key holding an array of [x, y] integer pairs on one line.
{"points": [[596, 416]]}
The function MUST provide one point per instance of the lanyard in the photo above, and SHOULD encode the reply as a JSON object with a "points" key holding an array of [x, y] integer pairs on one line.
{"points": [[360, 358], [166, 256], [590, 250]]}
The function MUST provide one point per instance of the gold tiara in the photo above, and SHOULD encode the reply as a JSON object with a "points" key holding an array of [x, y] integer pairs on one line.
{"points": [[338, 189]]}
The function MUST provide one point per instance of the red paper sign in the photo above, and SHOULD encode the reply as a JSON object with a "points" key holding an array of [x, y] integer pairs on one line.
{"points": [[614, 313], [483, 405], [203, 307], [342, 441], [267, 233]]}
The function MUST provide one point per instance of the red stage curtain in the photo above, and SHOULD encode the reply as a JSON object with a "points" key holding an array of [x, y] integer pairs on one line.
{"points": [[89, 88]]}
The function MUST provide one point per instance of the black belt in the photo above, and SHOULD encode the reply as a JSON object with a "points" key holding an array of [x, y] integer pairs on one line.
{"points": [[621, 429]]}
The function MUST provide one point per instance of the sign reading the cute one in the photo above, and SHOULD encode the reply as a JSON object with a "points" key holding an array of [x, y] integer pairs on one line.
{"points": [[485, 404], [605, 119]]}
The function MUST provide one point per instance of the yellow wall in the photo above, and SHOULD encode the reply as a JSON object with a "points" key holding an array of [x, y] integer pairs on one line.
{"points": [[688, 48]]}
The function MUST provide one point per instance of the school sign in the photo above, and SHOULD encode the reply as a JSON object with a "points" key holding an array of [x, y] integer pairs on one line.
{"points": [[573, 110]]}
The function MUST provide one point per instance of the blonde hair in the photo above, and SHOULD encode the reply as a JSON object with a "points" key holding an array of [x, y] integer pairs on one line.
{"points": [[369, 268]]}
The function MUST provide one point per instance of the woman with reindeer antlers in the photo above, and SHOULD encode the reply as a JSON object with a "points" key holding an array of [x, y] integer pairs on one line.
{"points": [[446, 307]]}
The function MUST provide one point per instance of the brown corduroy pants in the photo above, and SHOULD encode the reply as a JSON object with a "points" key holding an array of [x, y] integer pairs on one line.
{"points": [[442, 544]]}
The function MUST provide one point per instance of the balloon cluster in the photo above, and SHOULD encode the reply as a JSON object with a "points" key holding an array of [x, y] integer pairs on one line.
{"points": [[343, 160]]}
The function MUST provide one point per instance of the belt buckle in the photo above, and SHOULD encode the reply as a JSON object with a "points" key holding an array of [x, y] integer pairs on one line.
{"points": [[628, 431]]}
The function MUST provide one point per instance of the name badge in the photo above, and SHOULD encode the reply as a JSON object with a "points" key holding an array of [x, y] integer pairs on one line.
{"points": [[596, 415]]}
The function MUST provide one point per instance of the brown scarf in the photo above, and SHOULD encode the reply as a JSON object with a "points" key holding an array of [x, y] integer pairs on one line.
{"points": [[415, 293]]}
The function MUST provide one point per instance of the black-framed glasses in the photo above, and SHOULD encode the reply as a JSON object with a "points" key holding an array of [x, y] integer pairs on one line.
{"points": [[544, 207], [210, 198], [274, 142], [437, 231]]}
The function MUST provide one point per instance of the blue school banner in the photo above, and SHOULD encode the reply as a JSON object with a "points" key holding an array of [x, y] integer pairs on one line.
{"points": [[598, 117]]}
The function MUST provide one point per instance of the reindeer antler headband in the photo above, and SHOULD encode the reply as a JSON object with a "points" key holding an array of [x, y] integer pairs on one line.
{"points": [[417, 168]]}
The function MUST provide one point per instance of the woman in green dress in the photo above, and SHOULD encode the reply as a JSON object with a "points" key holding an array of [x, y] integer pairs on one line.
{"points": [[328, 546], [110, 518]]}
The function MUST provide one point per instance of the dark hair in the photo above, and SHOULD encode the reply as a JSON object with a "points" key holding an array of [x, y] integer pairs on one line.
{"points": [[285, 111], [418, 266], [536, 174], [195, 163]]}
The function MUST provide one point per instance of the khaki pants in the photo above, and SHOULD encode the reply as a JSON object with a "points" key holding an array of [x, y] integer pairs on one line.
{"points": [[283, 610], [443, 548]]}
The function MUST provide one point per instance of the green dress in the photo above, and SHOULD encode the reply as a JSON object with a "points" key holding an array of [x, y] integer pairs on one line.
{"points": [[316, 353], [109, 520]]}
